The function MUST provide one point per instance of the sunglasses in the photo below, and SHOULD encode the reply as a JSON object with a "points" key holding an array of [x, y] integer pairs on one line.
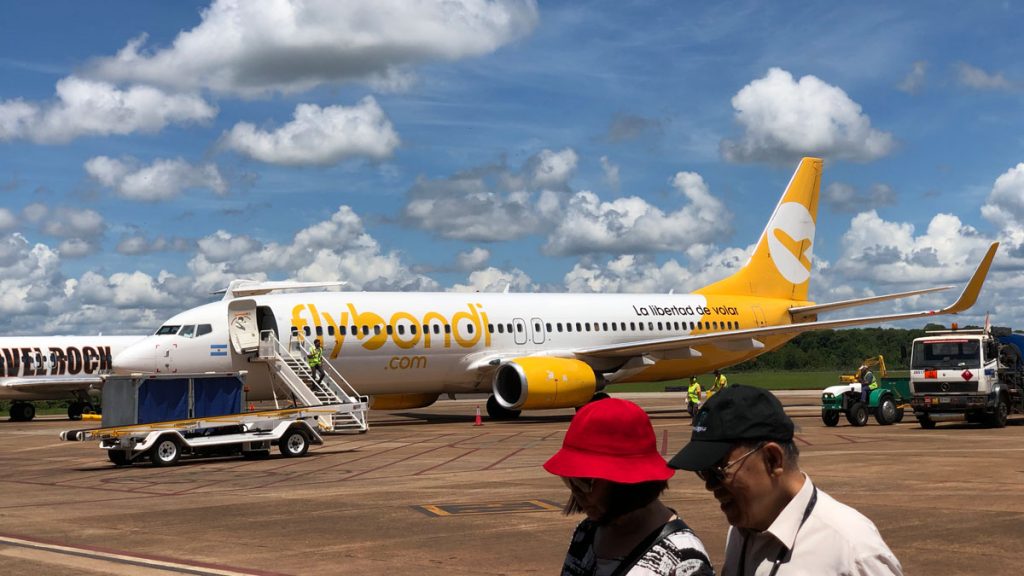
{"points": [[583, 485], [717, 474]]}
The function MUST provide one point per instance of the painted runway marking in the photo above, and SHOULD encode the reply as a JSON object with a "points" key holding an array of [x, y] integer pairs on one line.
{"points": [[198, 568], [440, 510]]}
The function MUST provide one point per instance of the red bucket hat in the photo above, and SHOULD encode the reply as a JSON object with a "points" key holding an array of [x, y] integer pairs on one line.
{"points": [[611, 439]]}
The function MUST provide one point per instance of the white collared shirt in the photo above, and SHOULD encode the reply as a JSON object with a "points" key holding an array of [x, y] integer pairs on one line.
{"points": [[835, 539]]}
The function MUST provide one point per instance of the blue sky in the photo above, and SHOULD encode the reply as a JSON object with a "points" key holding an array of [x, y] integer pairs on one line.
{"points": [[152, 152]]}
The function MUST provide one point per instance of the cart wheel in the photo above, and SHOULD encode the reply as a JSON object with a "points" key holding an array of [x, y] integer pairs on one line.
{"points": [[830, 417], [294, 444], [885, 414], [857, 415], [118, 457], [166, 452]]}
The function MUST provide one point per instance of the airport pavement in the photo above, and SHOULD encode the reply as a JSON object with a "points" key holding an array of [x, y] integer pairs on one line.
{"points": [[427, 492]]}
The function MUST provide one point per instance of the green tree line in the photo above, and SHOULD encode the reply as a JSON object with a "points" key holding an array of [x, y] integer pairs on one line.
{"points": [[841, 350]]}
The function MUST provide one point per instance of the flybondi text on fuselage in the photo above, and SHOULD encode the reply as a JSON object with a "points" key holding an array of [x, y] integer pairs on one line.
{"points": [[403, 329]]}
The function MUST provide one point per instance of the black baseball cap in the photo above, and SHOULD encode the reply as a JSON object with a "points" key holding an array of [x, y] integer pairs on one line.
{"points": [[737, 413]]}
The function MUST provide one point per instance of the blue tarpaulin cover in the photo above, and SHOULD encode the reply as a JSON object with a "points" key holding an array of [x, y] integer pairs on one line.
{"points": [[217, 396], [163, 400]]}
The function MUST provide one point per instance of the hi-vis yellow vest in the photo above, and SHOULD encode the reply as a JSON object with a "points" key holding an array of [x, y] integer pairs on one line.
{"points": [[694, 391]]}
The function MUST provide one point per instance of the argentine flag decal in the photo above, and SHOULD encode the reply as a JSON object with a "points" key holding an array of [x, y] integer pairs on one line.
{"points": [[218, 349]]}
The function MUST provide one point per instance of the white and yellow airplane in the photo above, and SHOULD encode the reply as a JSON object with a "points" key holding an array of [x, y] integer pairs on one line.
{"points": [[55, 368], [530, 351]]}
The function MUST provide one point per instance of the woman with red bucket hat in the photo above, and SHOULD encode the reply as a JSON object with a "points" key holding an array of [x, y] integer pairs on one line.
{"points": [[610, 462]]}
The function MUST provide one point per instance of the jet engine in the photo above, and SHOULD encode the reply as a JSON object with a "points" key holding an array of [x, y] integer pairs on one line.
{"points": [[543, 382]]}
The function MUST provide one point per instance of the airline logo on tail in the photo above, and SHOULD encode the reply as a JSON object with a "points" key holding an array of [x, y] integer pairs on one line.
{"points": [[790, 228]]}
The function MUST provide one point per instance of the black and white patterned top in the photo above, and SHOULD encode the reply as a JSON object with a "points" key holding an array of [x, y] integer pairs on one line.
{"points": [[681, 553]]}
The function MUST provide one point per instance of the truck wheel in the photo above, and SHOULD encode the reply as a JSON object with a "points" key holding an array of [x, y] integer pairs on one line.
{"points": [[294, 443], [118, 457], [926, 422], [998, 418], [166, 452], [885, 414], [899, 416], [830, 417], [857, 415]]}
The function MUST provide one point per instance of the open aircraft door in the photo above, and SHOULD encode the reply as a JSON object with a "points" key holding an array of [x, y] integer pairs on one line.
{"points": [[243, 329]]}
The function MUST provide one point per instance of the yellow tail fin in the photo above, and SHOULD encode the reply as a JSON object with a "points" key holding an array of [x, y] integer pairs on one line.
{"points": [[781, 264]]}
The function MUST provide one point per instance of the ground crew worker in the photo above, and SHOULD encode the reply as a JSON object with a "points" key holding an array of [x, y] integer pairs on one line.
{"points": [[315, 359], [867, 383], [720, 382], [693, 395]]}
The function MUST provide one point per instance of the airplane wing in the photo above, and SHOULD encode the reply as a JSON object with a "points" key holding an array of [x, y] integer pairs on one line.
{"points": [[748, 339], [51, 384]]}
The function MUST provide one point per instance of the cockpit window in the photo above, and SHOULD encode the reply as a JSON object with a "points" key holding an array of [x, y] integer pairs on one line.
{"points": [[167, 329], [203, 329], [187, 331]]}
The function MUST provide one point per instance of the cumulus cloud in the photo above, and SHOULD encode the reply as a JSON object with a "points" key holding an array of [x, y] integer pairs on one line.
{"points": [[164, 179], [977, 78], [488, 204], [611, 172], [92, 108], [785, 119], [335, 249], [319, 136], [914, 81], [492, 279], [472, 259], [1005, 204], [845, 198], [552, 170], [7, 220], [255, 48], [887, 252], [135, 244], [632, 225]]}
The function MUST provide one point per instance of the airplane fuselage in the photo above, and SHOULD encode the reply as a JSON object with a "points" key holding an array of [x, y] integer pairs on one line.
{"points": [[59, 364], [408, 343]]}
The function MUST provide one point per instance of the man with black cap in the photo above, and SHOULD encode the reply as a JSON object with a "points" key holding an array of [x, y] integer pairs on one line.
{"points": [[742, 448]]}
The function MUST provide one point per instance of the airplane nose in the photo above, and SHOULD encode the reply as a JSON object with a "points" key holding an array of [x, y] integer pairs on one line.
{"points": [[140, 357]]}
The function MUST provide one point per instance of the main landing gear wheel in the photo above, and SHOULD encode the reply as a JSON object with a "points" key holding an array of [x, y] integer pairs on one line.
{"points": [[498, 412], [830, 417], [294, 444], [22, 411], [76, 409], [857, 414], [166, 452]]}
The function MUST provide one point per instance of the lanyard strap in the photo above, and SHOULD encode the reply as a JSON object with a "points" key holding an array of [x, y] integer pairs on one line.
{"points": [[782, 549]]}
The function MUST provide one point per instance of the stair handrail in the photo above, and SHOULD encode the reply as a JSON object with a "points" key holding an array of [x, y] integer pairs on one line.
{"points": [[336, 384]]}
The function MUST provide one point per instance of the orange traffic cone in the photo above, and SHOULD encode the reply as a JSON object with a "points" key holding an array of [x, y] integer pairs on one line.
{"points": [[479, 421], [252, 407]]}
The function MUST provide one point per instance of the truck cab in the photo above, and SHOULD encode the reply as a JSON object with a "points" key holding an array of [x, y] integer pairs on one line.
{"points": [[967, 374]]}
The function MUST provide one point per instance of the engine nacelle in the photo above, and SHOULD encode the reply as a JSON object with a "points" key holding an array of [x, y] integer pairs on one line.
{"points": [[401, 401], [543, 382]]}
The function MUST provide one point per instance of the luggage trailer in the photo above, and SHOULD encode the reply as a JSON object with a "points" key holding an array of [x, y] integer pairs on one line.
{"points": [[132, 404]]}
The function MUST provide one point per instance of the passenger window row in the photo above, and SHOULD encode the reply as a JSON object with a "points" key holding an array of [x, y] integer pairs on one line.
{"points": [[510, 328]]}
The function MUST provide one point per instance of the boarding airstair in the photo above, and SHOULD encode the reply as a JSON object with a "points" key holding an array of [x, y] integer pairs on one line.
{"points": [[288, 366]]}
